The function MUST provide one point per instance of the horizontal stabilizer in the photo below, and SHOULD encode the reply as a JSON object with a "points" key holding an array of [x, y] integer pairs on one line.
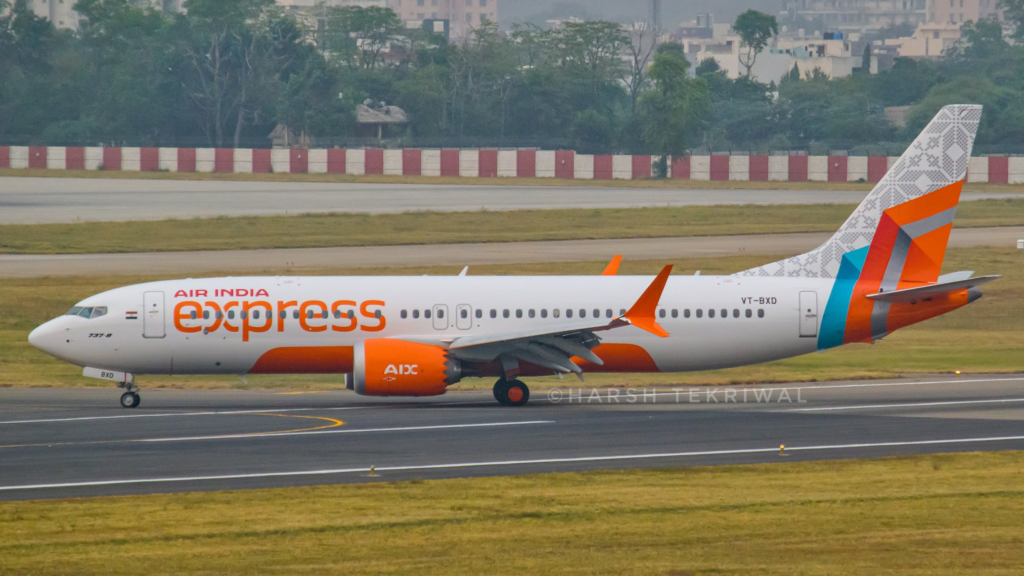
{"points": [[921, 292]]}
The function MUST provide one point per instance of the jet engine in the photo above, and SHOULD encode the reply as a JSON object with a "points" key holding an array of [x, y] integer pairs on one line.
{"points": [[388, 367]]}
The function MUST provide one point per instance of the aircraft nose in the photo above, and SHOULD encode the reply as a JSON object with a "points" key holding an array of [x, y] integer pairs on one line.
{"points": [[44, 337]]}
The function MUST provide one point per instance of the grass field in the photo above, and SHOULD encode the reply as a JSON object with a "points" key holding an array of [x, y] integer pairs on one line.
{"points": [[983, 337], [937, 515], [319, 230]]}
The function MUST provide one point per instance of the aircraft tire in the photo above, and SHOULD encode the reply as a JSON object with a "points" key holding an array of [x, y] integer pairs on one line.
{"points": [[130, 400], [516, 393]]}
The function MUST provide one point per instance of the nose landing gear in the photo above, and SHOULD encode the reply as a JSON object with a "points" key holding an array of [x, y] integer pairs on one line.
{"points": [[130, 399], [511, 392]]}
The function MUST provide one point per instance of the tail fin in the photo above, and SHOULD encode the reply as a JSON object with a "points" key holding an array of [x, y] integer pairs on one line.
{"points": [[906, 219]]}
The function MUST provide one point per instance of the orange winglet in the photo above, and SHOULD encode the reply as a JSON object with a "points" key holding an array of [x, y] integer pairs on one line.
{"points": [[642, 314], [613, 267]]}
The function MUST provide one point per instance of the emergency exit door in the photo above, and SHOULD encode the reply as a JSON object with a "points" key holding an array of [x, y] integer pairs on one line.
{"points": [[808, 314], [153, 315]]}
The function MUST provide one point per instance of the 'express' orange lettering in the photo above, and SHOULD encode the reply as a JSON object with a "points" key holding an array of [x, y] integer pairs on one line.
{"points": [[179, 315], [247, 326], [352, 322], [302, 315], [376, 314]]}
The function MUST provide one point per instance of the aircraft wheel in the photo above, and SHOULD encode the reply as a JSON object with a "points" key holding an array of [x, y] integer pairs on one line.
{"points": [[130, 400], [511, 393]]}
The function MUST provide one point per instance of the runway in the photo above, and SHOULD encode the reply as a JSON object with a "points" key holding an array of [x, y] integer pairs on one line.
{"points": [[295, 259], [49, 200], [57, 443]]}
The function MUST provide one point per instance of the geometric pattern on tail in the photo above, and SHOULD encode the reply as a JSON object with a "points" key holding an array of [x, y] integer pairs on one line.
{"points": [[935, 160]]}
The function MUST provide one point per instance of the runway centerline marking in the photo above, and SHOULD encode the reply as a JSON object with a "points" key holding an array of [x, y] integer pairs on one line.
{"points": [[283, 433], [500, 463], [906, 405]]}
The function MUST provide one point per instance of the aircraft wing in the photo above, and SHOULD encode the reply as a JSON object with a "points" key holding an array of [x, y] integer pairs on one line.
{"points": [[555, 346]]}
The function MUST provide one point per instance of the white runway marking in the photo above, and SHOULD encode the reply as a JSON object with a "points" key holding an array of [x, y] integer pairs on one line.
{"points": [[908, 405], [499, 463], [347, 431], [170, 414], [677, 391]]}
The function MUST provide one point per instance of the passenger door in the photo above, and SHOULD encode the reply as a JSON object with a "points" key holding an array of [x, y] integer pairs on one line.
{"points": [[153, 315], [440, 317], [808, 314]]}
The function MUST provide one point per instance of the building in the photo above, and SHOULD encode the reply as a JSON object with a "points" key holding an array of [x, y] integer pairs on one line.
{"points": [[929, 41], [960, 11], [307, 6], [831, 53], [62, 12], [463, 15], [861, 15]]}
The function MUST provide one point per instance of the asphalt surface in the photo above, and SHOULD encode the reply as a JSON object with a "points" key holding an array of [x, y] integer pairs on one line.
{"points": [[48, 200], [78, 442], [296, 259]]}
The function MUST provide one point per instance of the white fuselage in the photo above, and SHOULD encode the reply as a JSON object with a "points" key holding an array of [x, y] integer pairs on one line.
{"points": [[765, 319]]}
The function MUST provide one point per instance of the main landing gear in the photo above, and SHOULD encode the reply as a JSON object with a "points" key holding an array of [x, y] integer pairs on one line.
{"points": [[130, 399], [511, 392]]}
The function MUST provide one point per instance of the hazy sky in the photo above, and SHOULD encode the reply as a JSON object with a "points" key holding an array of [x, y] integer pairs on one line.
{"points": [[673, 11]]}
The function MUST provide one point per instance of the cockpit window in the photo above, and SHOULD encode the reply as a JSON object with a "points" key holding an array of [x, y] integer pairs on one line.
{"points": [[87, 311]]}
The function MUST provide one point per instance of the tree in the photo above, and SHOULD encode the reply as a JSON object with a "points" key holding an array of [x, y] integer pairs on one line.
{"points": [[756, 30], [672, 112], [865, 60], [1013, 12]]}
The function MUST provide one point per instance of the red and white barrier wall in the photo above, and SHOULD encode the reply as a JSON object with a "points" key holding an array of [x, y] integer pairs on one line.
{"points": [[523, 163]]}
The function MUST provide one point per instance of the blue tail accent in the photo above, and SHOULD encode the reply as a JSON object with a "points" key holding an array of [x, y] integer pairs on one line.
{"points": [[833, 323]]}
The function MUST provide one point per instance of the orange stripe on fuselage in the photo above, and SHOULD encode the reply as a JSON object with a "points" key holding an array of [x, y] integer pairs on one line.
{"points": [[620, 358], [305, 360]]}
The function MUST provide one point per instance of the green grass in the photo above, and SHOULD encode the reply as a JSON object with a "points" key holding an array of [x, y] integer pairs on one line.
{"points": [[981, 338], [947, 514], [320, 230]]}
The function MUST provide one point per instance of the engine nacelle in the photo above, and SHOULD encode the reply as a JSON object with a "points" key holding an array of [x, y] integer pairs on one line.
{"points": [[388, 367]]}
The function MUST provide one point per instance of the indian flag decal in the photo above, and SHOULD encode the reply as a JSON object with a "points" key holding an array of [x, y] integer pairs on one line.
{"points": [[131, 315]]}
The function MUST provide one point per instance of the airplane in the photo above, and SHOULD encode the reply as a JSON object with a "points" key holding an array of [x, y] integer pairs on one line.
{"points": [[417, 336]]}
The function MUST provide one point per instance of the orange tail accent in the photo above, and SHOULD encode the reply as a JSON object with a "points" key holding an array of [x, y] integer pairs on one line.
{"points": [[613, 267], [642, 314]]}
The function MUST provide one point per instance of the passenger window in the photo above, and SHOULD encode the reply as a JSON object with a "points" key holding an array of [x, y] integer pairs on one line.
{"points": [[504, 313], [568, 312], [583, 313], [426, 313], [377, 314], [543, 313], [725, 313], [244, 314], [337, 314], [661, 313], [622, 311], [295, 314], [519, 313], [735, 313], [309, 314], [231, 314], [99, 311], [555, 313], [494, 313], [440, 313], [283, 314], [711, 313], [256, 314], [749, 313], [415, 313], [351, 314], [686, 313], [700, 313], [206, 314], [675, 313], [220, 315], [760, 313], [479, 313], [532, 313], [597, 313], [608, 313], [404, 314]]}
